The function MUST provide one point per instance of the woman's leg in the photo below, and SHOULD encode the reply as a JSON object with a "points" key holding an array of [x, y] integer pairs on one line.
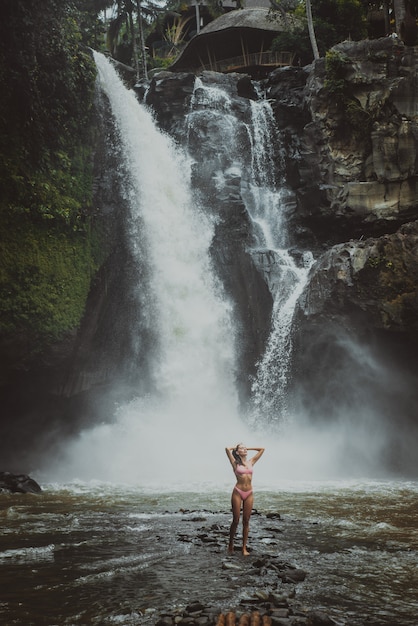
{"points": [[247, 507], [236, 511]]}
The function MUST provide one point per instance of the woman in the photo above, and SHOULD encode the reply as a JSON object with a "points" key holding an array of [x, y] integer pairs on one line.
{"points": [[243, 492]]}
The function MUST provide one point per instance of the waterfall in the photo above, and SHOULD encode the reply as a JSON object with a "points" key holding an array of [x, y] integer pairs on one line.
{"points": [[266, 200], [270, 385], [260, 169], [172, 232], [191, 407]]}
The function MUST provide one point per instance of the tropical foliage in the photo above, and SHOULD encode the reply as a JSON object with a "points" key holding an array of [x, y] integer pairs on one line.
{"points": [[49, 249], [334, 21]]}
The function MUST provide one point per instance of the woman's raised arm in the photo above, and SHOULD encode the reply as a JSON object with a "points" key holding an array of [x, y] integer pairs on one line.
{"points": [[230, 455], [255, 458]]}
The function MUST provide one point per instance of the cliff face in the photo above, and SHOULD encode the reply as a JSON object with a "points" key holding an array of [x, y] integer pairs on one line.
{"points": [[350, 125], [353, 135], [355, 176]]}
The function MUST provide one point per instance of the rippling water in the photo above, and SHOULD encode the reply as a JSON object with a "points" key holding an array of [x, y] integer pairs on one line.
{"points": [[103, 554]]}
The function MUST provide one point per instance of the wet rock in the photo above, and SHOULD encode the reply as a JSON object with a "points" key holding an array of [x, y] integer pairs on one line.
{"points": [[279, 600], [374, 276], [262, 600], [231, 566], [293, 576], [236, 617], [166, 620], [18, 483], [285, 571], [280, 621], [273, 516], [318, 618], [169, 95], [362, 295], [280, 617]]}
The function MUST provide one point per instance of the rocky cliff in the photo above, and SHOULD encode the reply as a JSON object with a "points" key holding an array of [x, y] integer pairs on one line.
{"points": [[352, 164], [351, 159], [350, 124]]}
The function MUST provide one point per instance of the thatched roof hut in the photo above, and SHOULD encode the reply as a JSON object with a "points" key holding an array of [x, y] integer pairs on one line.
{"points": [[238, 36]]}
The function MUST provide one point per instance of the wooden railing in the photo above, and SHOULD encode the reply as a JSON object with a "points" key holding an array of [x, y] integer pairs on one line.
{"points": [[256, 59]]}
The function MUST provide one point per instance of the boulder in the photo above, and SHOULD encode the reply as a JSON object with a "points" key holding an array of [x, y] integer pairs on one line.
{"points": [[18, 483], [375, 276]]}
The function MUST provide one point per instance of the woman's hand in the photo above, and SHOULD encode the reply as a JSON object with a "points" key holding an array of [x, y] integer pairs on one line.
{"points": [[255, 458]]}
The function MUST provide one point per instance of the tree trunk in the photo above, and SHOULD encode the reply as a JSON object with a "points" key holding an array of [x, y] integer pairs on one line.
{"points": [[134, 46], [142, 40], [400, 10], [387, 18], [311, 29]]}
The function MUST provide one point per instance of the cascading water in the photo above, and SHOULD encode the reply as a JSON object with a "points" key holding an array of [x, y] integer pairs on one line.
{"points": [[191, 407], [266, 207], [264, 196], [270, 385], [120, 554]]}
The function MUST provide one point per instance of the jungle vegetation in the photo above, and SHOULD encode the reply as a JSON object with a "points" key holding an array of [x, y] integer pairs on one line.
{"points": [[334, 21]]}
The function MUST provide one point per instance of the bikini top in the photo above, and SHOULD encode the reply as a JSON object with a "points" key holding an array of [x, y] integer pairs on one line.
{"points": [[242, 469]]}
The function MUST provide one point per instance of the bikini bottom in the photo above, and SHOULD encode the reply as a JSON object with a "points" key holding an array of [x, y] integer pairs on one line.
{"points": [[244, 494]]}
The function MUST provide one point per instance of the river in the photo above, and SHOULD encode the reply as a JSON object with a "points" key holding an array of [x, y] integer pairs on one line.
{"points": [[95, 553]]}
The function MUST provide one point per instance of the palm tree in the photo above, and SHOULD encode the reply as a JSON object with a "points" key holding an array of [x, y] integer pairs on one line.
{"points": [[399, 9], [141, 41], [125, 10], [284, 5], [311, 29]]}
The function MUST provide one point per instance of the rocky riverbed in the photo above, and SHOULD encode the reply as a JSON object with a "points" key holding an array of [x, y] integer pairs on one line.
{"points": [[267, 583]]}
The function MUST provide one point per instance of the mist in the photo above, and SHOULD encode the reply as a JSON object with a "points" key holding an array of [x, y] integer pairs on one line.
{"points": [[168, 443]]}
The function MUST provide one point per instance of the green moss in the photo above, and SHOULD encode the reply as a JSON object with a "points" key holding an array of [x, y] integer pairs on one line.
{"points": [[45, 277], [336, 65]]}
